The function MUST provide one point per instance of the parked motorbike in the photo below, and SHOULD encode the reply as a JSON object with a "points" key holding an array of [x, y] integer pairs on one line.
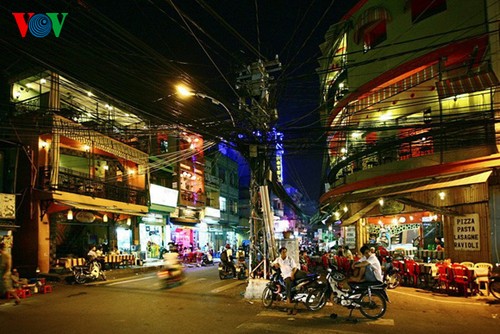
{"points": [[275, 290], [369, 297], [494, 283], [392, 276], [172, 273], [89, 272]]}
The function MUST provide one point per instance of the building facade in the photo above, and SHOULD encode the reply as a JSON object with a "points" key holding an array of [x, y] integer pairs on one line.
{"points": [[410, 103]]}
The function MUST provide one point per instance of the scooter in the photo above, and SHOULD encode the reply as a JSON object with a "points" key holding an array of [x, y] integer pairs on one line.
{"points": [[392, 276], [369, 297], [275, 290], [207, 259], [172, 273], [225, 271], [89, 272]]}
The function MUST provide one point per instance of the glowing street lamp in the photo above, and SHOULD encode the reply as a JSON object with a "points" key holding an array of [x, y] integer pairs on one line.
{"points": [[186, 92]]}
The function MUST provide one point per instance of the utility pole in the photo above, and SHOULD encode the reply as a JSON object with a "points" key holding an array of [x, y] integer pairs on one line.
{"points": [[255, 83]]}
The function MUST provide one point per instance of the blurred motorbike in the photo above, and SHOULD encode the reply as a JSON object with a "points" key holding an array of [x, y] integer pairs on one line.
{"points": [[172, 273], [207, 259]]}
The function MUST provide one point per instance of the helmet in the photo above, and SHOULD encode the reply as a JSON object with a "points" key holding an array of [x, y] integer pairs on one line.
{"points": [[228, 246]]}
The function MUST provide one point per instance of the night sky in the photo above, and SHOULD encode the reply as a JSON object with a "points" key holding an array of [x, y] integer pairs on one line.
{"points": [[137, 50]]}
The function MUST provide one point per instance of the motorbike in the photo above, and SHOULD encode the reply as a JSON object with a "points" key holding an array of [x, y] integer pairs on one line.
{"points": [[241, 269], [207, 259], [172, 273], [89, 272], [225, 271], [392, 276], [494, 282], [275, 290], [369, 297]]}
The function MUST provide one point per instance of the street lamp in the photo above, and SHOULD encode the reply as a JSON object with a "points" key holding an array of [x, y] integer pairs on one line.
{"points": [[186, 92]]}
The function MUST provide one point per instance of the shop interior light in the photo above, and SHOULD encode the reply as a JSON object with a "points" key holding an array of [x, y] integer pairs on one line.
{"points": [[402, 219], [381, 202], [70, 215], [129, 221], [105, 218], [442, 195], [345, 208]]}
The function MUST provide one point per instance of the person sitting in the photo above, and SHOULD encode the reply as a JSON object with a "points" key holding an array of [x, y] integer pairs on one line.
{"points": [[370, 268], [17, 282], [227, 259], [92, 254], [289, 272], [5, 273]]}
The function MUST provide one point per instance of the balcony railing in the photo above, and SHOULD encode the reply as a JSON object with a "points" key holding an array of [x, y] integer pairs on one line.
{"points": [[467, 131], [79, 183]]}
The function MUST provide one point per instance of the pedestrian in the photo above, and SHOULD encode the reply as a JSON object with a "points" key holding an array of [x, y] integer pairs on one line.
{"points": [[5, 274]]}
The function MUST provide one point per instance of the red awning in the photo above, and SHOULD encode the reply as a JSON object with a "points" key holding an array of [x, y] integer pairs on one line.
{"points": [[466, 84], [367, 18]]}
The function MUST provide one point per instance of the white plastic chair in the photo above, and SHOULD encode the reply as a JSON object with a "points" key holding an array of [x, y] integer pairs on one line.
{"points": [[482, 271]]}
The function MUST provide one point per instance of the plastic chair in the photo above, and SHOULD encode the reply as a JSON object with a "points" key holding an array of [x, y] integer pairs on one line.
{"points": [[412, 271], [469, 265], [482, 271], [444, 276], [461, 277]]}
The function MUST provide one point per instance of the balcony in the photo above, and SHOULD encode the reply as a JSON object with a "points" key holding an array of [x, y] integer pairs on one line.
{"points": [[80, 183], [468, 136]]}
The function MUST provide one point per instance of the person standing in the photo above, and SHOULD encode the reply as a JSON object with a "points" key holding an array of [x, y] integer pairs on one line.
{"points": [[340, 240], [5, 274]]}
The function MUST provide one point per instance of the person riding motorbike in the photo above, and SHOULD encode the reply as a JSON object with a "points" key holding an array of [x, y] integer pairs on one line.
{"points": [[227, 259]]}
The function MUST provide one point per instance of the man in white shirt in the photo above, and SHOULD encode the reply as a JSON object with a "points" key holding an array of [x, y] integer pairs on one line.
{"points": [[370, 269], [288, 268]]}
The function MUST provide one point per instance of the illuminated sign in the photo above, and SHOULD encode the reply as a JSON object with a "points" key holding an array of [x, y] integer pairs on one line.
{"points": [[163, 195]]}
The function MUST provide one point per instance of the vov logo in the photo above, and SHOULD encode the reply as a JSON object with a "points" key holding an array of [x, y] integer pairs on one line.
{"points": [[39, 25]]}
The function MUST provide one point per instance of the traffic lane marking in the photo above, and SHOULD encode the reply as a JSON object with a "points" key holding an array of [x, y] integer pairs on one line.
{"points": [[309, 315], [470, 302], [277, 328], [131, 280], [228, 286]]}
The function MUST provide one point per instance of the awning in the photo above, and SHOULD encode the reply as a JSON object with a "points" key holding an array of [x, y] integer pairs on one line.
{"points": [[113, 209], [368, 17], [438, 182], [360, 214], [466, 84]]}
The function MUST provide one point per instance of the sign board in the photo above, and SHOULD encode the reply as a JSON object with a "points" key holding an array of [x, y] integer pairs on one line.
{"points": [[466, 232], [163, 195], [7, 206], [350, 236]]}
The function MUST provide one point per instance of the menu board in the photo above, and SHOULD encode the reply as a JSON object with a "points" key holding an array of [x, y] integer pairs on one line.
{"points": [[466, 232]]}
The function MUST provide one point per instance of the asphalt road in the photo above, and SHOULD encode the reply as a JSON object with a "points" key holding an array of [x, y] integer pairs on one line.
{"points": [[205, 304]]}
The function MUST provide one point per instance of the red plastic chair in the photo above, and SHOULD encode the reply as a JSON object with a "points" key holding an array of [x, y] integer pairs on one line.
{"points": [[412, 271], [461, 277], [444, 276]]}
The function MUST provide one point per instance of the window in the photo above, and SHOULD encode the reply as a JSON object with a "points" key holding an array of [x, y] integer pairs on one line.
{"points": [[422, 9], [371, 27], [222, 203], [374, 35]]}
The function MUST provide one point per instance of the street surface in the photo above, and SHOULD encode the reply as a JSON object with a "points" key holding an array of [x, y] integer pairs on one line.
{"points": [[205, 304]]}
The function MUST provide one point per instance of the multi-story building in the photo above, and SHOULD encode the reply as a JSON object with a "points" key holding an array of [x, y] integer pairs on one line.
{"points": [[76, 180], [410, 103], [85, 170]]}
